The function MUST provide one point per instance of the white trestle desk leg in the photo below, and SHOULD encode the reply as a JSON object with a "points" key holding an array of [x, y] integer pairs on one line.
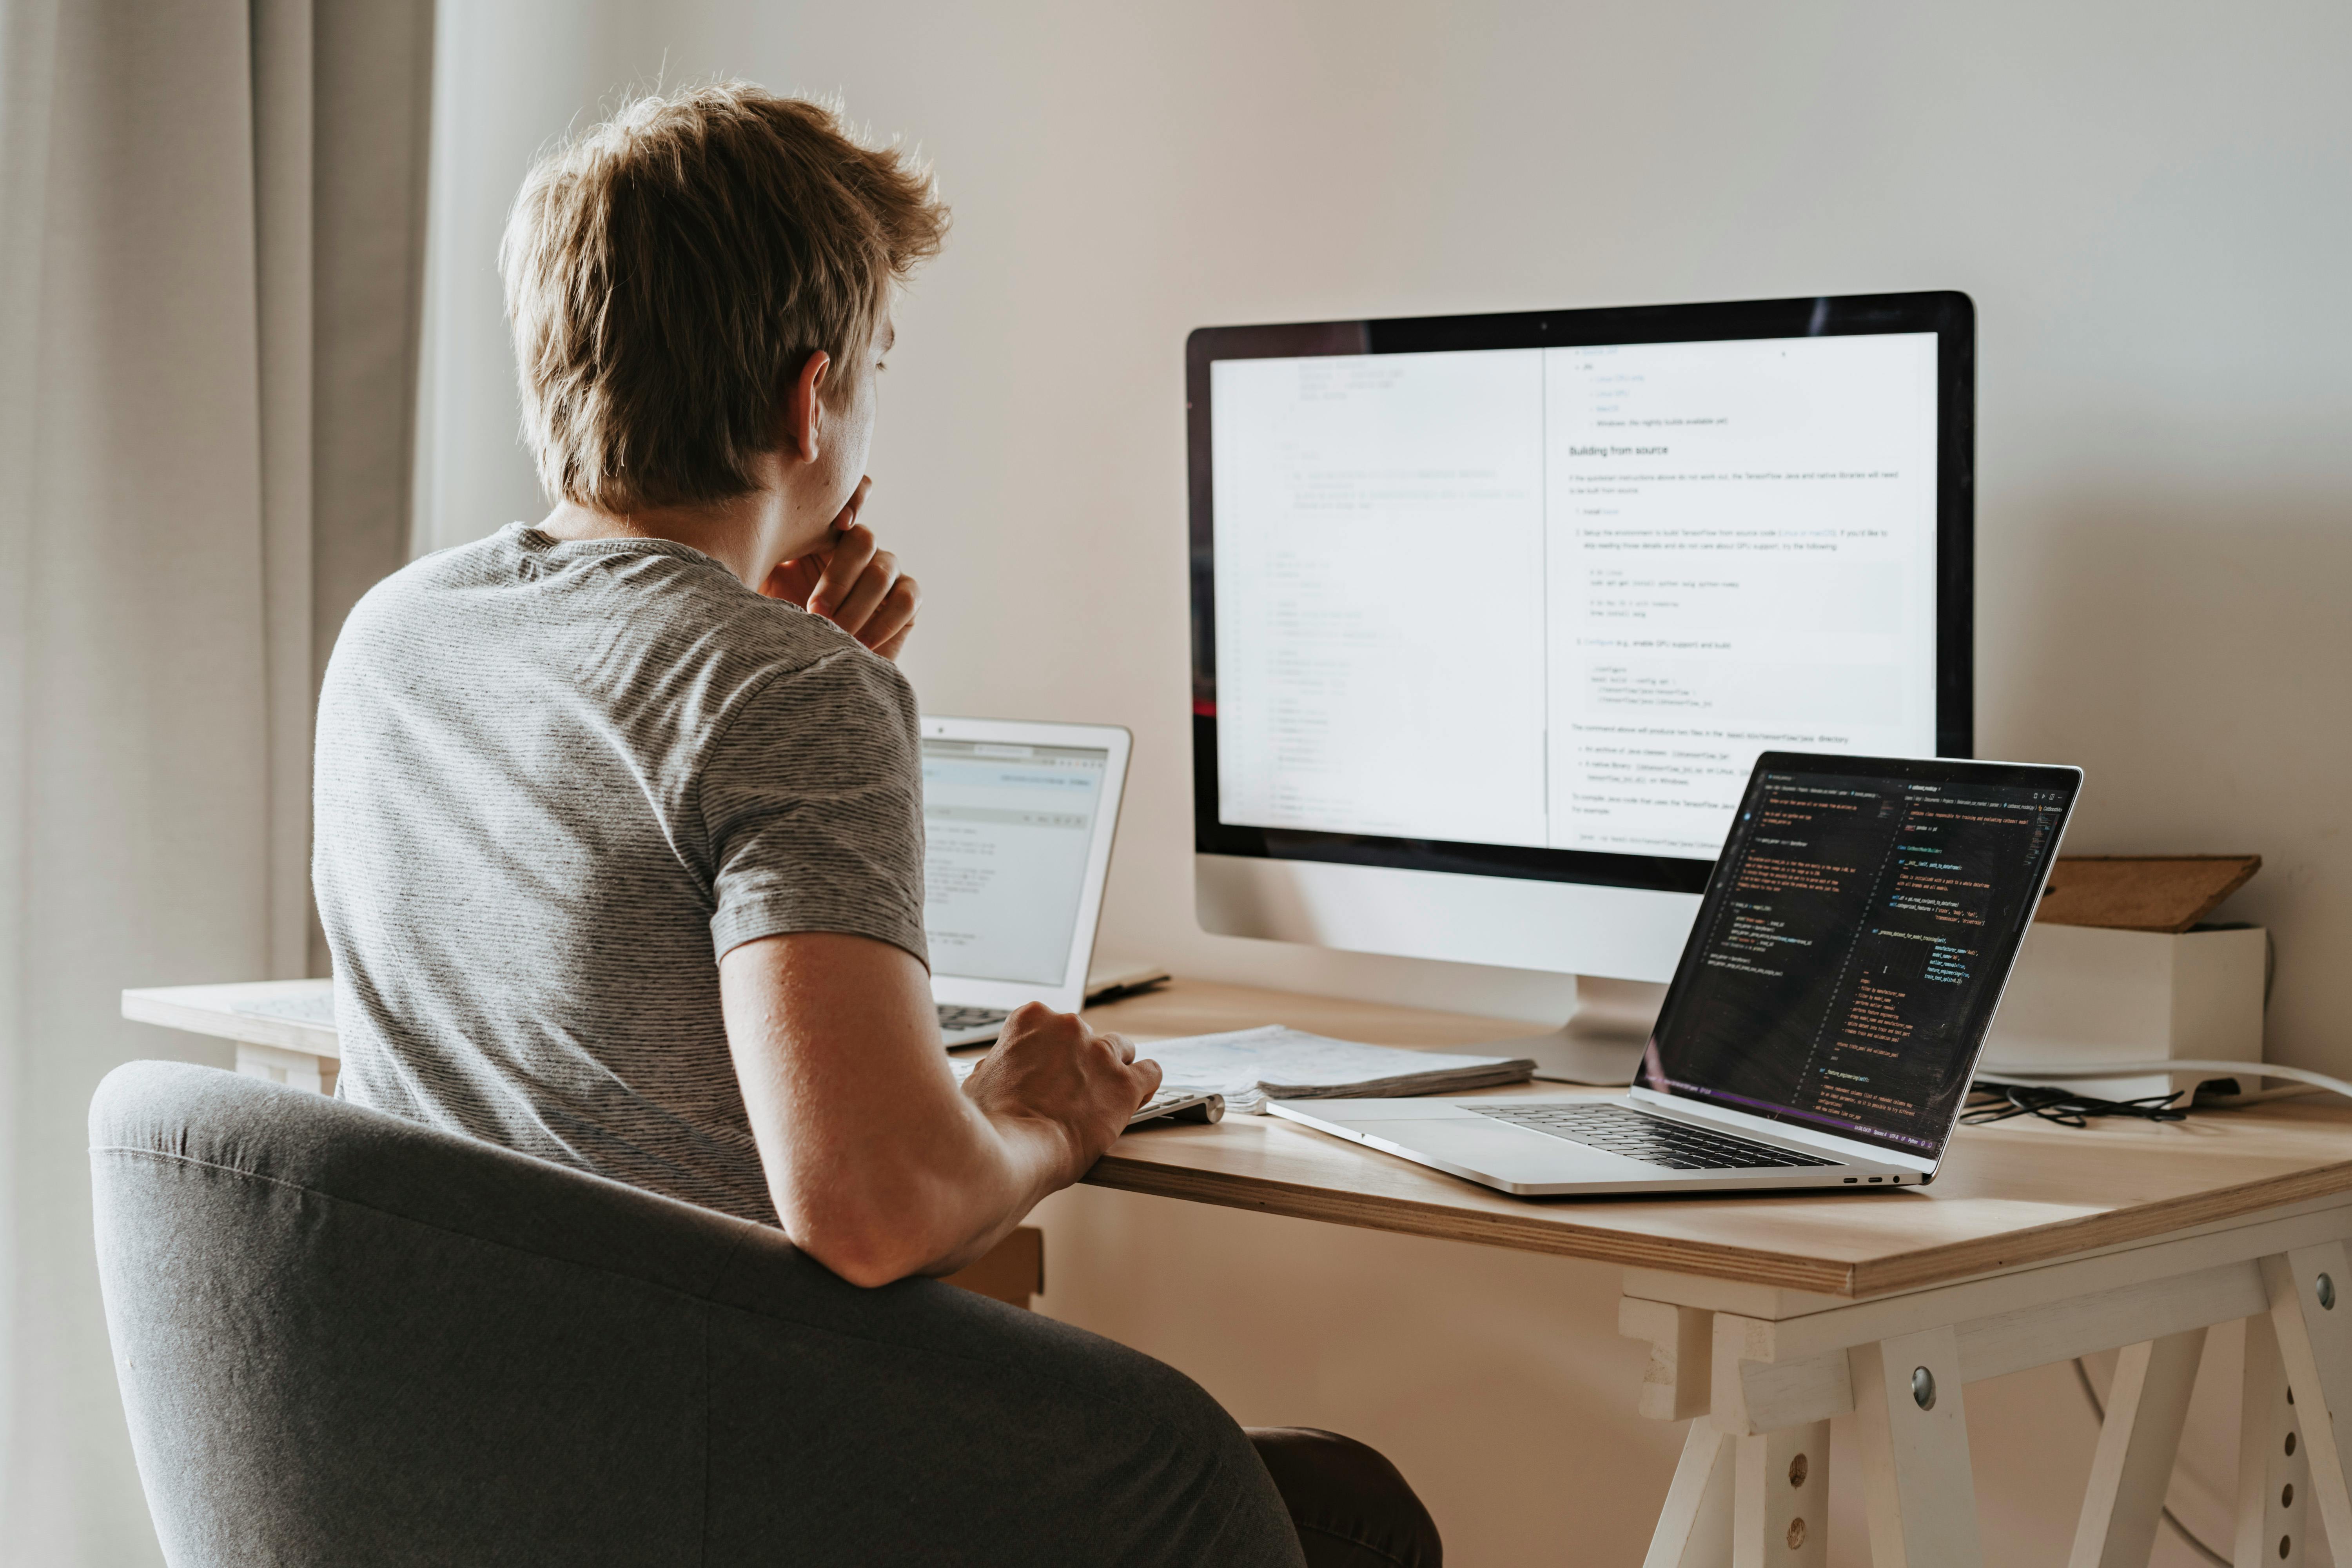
{"points": [[1695, 1527], [2273, 1466], [296, 1069], [1780, 1500], [2147, 1406], [1917, 1481], [2310, 1290]]}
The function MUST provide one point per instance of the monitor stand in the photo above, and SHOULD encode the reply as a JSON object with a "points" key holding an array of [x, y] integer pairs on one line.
{"points": [[1601, 1043]]}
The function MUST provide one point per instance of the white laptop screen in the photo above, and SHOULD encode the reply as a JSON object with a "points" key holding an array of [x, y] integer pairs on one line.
{"points": [[1007, 828]]}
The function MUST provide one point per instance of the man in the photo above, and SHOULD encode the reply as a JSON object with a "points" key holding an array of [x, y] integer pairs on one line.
{"points": [[561, 770]]}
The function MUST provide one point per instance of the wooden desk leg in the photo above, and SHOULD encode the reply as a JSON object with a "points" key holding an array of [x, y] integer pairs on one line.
{"points": [[1747, 1503], [1920, 1491], [2310, 1292], [1780, 1500], [2274, 1464], [1013, 1270], [296, 1069], [1695, 1527], [2147, 1406]]}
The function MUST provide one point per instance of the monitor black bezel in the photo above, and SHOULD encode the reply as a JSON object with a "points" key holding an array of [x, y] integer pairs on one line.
{"points": [[2062, 778], [1950, 315]]}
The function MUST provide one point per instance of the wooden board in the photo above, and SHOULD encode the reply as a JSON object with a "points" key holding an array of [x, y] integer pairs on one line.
{"points": [[2008, 1196], [2142, 892], [213, 1010], [1013, 1271]]}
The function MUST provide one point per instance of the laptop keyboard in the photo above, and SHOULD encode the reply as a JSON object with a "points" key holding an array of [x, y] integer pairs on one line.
{"points": [[1655, 1140], [952, 1018]]}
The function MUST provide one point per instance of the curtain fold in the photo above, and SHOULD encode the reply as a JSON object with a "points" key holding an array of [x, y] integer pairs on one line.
{"points": [[210, 237]]}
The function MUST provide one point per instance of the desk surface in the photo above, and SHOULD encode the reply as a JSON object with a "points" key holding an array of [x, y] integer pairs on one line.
{"points": [[2007, 1196]]}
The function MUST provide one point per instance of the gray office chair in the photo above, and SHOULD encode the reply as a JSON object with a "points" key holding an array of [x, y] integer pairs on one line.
{"points": [[347, 1338]]}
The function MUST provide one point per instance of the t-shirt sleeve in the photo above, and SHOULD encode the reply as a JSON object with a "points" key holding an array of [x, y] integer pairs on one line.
{"points": [[812, 802]]}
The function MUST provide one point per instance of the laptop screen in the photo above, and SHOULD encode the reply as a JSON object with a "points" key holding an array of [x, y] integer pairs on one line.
{"points": [[1854, 939], [1006, 830]]}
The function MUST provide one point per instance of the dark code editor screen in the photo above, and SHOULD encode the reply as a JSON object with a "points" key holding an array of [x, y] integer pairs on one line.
{"points": [[1852, 945]]}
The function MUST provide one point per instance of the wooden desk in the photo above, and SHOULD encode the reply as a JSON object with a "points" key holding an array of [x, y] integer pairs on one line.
{"points": [[1767, 1316]]}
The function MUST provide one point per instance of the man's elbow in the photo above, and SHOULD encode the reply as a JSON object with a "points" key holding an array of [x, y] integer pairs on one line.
{"points": [[867, 1249], [869, 1264]]}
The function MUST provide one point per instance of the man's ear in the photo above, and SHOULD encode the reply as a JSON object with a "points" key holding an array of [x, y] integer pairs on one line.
{"points": [[805, 407]]}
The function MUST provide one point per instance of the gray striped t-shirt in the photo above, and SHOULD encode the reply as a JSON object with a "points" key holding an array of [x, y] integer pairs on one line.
{"points": [[554, 782]]}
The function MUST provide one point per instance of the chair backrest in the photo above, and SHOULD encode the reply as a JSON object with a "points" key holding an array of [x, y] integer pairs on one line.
{"points": [[347, 1338], [342, 1336]]}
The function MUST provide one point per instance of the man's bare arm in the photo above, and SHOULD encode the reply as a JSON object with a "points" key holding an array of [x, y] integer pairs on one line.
{"points": [[879, 1165]]}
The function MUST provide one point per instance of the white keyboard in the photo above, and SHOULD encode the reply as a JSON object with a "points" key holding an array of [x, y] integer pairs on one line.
{"points": [[1174, 1103], [1181, 1102]]}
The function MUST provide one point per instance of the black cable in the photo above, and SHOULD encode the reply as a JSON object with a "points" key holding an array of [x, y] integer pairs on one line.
{"points": [[2083, 1376], [1991, 1100]]}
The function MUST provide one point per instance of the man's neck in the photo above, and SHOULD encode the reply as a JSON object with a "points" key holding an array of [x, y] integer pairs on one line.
{"points": [[746, 534]]}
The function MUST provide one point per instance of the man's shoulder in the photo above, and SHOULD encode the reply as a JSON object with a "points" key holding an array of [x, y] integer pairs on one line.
{"points": [[644, 602], [697, 619]]}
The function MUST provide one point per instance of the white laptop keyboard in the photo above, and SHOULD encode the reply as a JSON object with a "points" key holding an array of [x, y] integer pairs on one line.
{"points": [[1654, 1140], [955, 1020]]}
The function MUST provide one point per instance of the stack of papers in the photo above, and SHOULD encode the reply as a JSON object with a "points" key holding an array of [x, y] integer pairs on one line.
{"points": [[1250, 1066]]}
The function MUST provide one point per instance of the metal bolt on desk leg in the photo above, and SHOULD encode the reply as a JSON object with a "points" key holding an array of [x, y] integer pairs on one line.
{"points": [[1795, 1533], [1797, 1471], [2327, 1294], [1923, 1388]]}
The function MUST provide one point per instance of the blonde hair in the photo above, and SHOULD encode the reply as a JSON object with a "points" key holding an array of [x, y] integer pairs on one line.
{"points": [[668, 272]]}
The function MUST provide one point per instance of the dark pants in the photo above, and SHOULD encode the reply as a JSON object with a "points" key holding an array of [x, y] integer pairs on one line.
{"points": [[1351, 1508]]}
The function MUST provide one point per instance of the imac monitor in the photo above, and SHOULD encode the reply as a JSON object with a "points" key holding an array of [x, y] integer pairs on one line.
{"points": [[1493, 614]]}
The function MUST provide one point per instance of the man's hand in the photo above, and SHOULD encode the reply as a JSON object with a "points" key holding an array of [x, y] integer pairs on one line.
{"points": [[852, 582], [1051, 1068]]}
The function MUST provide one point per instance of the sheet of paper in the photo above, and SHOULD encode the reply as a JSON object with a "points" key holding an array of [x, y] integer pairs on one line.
{"points": [[1240, 1064]]}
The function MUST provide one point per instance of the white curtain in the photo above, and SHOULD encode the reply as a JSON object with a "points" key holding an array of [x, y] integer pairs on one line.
{"points": [[210, 226]]}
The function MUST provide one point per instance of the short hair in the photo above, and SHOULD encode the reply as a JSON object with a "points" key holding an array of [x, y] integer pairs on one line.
{"points": [[668, 272]]}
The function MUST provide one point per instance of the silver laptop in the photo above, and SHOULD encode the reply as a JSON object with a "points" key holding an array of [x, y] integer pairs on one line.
{"points": [[1018, 820], [1829, 1008]]}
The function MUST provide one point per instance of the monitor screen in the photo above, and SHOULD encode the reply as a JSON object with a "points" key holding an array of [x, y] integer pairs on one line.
{"points": [[1533, 605], [1854, 942], [1006, 833]]}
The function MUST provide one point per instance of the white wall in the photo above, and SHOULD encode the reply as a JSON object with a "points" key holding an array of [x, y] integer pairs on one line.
{"points": [[2148, 201]]}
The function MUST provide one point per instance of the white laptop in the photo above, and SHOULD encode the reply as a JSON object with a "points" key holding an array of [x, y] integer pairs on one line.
{"points": [[1018, 820], [1830, 1006]]}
